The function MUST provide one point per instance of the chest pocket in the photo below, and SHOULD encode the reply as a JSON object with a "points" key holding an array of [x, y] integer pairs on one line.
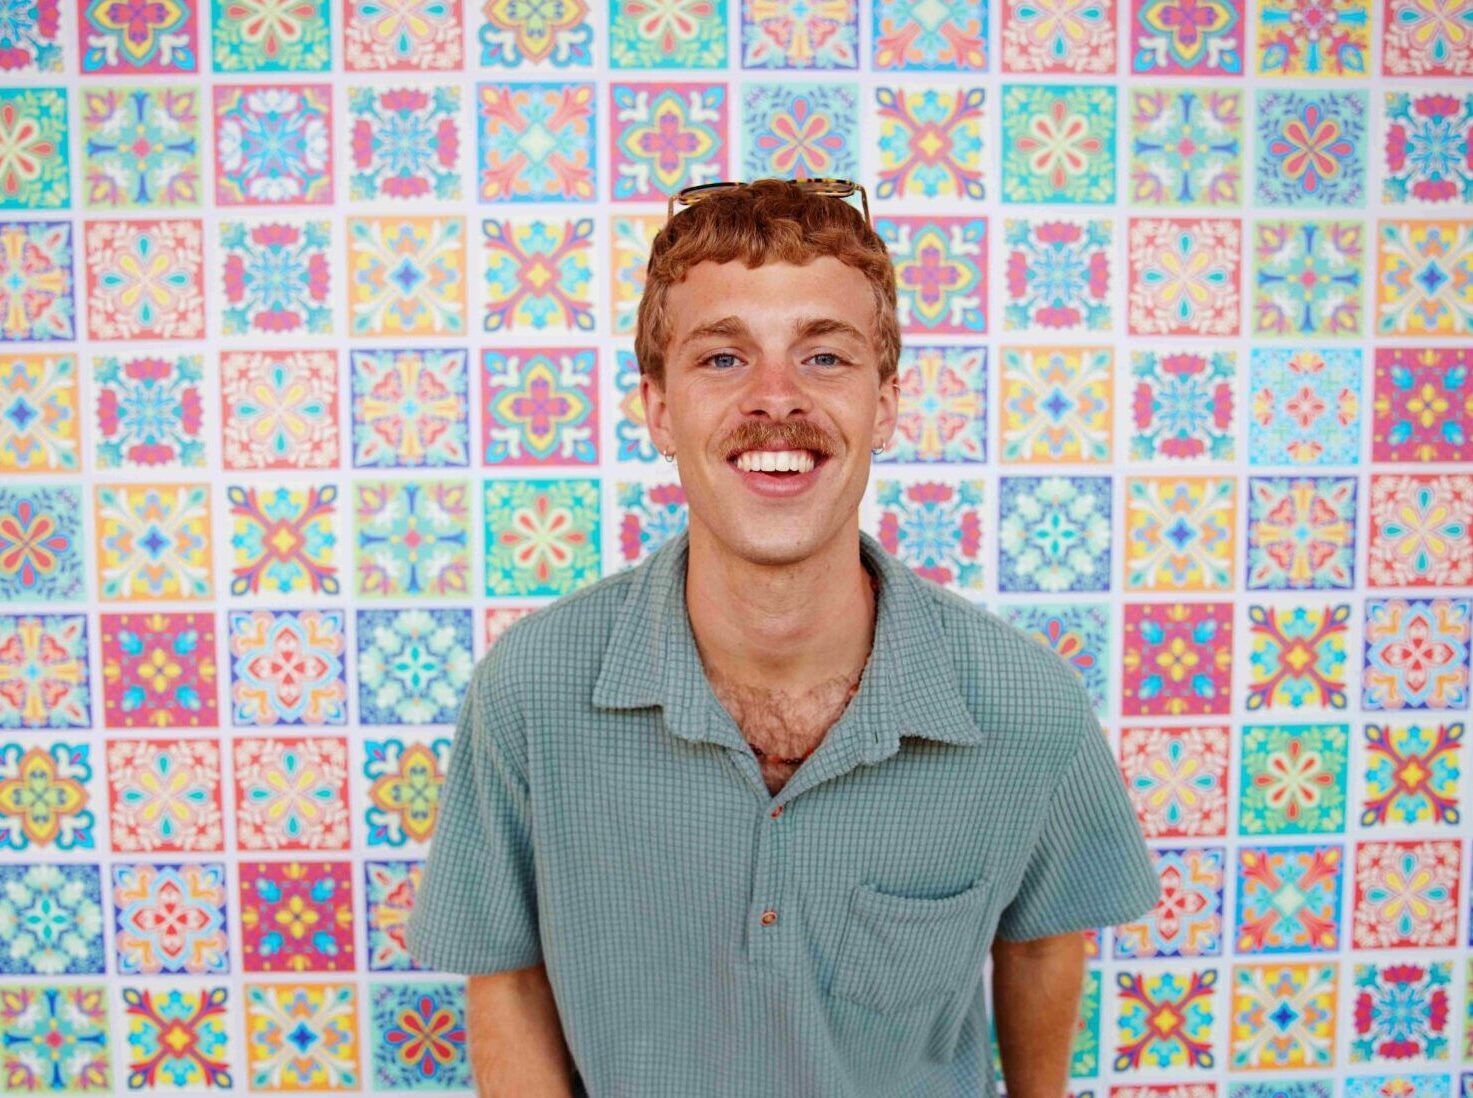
{"points": [[897, 951]]}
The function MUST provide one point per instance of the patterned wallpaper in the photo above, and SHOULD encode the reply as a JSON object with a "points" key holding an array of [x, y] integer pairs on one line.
{"points": [[317, 371]]}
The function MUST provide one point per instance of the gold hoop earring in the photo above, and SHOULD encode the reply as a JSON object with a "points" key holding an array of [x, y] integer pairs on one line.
{"points": [[670, 455]]}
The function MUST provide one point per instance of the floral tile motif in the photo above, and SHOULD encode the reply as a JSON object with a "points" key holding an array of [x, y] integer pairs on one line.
{"points": [[1059, 37], [302, 1037], [1289, 899], [1297, 657], [39, 414], [1058, 143], [1305, 406], [1187, 920], [44, 796], [156, 38], [1058, 275], [1292, 780], [630, 239], [413, 36], [404, 781], [516, 35], [1084, 1051], [31, 40], [821, 35], [1186, 146], [1054, 535], [943, 406], [1184, 276], [1412, 776], [145, 280], [947, 36], [1401, 1012], [538, 275], [178, 1039], [50, 919], [413, 665], [281, 409], [1183, 406], [410, 407], [935, 527], [273, 145], [1401, 1086], [1316, 38], [1165, 1019], [1424, 278], [1177, 659], [1420, 530], [37, 295], [1307, 278], [647, 515], [158, 670], [1418, 653], [170, 919], [542, 536], [802, 131], [283, 540], [1180, 533], [389, 888], [411, 538], [1301, 533], [44, 671], [35, 173], [277, 278], [261, 36], [164, 796], [664, 137], [420, 1036], [288, 667], [153, 541], [40, 544], [407, 276], [1406, 894], [291, 793], [1187, 38], [296, 916], [930, 142], [940, 273], [1422, 408], [1311, 148], [631, 437], [405, 143], [55, 1039], [150, 411], [1283, 1017], [539, 406], [1425, 38], [1078, 632], [536, 142], [667, 34], [1177, 779]]}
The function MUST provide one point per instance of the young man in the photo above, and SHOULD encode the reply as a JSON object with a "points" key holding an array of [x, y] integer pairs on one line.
{"points": [[749, 818]]}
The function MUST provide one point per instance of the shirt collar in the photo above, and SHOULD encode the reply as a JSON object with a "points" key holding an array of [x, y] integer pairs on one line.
{"points": [[909, 687]]}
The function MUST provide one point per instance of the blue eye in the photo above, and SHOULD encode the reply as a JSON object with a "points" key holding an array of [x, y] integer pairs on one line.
{"points": [[831, 358], [721, 359]]}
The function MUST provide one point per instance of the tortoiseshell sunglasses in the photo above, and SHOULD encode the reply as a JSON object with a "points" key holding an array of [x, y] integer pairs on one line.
{"points": [[838, 188]]}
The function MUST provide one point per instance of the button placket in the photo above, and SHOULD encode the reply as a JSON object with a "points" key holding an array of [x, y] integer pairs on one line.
{"points": [[766, 927]]}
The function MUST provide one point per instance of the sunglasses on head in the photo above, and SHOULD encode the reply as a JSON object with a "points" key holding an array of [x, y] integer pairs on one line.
{"points": [[836, 188]]}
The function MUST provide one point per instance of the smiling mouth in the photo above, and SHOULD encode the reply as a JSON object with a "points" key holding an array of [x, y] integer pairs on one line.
{"points": [[777, 464]]}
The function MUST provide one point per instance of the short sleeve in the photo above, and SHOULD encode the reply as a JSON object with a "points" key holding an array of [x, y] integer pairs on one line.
{"points": [[476, 908], [1090, 866]]}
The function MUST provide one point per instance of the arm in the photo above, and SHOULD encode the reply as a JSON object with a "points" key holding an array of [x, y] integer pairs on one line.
{"points": [[1035, 996], [514, 1037]]}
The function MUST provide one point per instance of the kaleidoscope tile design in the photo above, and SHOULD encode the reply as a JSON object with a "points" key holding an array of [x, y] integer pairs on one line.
{"points": [[1283, 1016], [277, 278], [283, 540], [542, 536], [34, 169], [302, 1037], [296, 916], [1305, 406], [1425, 38], [288, 667], [667, 34], [404, 780], [1412, 775], [538, 275], [419, 1036], [40, 421], [145, 280], [1184, 277], [1422, 407], [30, 41], [1317, 38], [1177, 779], [513, 35], [44, 796], [413, 665], [940, 272], [388, 891], [630, 238], [1424, 278], [1165, 1019], [413, 36], [1406, 894], [1058, 143], [1187, 37], [665, 137], [170, 919], [1186, 147], [153, 541], [1423, 139], [930, 142], [536, 142], [630, 434], [273, 145], [407, 276], [1307, 278], [1311, 148], [40, 544], [150, 411], [1183, 406], [1058, 275], [648, 515], [405, 143], [1058, 36], [1079, 633], [805, 131], [44, 671], [410, 408], [1180, 533], [177, 1039], [1420, 530], [411, 538], [50, 919], [819, 35], [935, 527], [1187, 920], [260, 36], [37, 296], [281, 409], [158, 670], [291, 793], [1401, 1012], [539, 407], [1301, 533], [1054, 534], [943, 406], [164, 796], [1292, 779], [1417, 653], [1289, 899], [160, 37], [55, 1038], [1177, 659], [1297, 658]]}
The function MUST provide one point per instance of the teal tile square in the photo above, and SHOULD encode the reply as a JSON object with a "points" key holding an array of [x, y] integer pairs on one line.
{"points": [[34, 172], [643, 35], [1058, 143], [1292, 780], [542, 535], [265, 36]]}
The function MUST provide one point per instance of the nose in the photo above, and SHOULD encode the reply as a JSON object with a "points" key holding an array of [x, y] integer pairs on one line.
{"points": [[775, 387]]}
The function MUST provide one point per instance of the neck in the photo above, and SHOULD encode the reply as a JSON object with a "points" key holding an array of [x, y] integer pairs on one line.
{"points": [[784, 626]]}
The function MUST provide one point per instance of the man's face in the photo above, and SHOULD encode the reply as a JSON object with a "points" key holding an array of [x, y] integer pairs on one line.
{"points": [[782, 359]]}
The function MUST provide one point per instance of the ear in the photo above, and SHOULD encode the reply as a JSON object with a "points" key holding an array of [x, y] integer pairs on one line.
{"points": [[656, 413], [887, 408]]}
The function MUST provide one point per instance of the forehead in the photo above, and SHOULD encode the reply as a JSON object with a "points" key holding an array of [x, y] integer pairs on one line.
{"points": [[772, 296]]}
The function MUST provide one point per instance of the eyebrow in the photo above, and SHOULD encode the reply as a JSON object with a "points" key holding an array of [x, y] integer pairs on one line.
{"points": [[731, 327]]}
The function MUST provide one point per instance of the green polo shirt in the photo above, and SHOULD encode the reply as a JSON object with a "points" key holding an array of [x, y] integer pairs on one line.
{"points": [[603, 814]]}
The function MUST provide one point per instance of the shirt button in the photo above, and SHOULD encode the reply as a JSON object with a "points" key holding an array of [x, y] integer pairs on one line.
{"points": [[776, 812], [769, 917]]}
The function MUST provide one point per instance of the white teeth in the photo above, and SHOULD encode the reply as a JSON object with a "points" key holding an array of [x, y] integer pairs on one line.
{"points": [[775, 461]]}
